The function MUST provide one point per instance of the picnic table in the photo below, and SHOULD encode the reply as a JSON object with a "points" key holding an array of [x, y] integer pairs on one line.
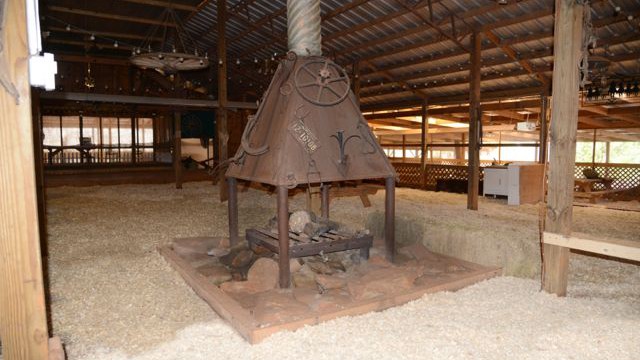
{"points": [[586, 185]]}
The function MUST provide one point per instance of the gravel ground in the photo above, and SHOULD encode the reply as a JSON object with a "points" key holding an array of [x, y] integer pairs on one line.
{"points": [[114, 297]]}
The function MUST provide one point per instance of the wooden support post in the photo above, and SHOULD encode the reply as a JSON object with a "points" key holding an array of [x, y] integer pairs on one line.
{"points": [[41, 193], [424, 129], [81, 129], [475, 117], [23, 320], [593, 150], [232, 205], [39, 167], [134, 140], [283, 237], [404, 148], [499, 147], [325, 200], [177, 149], [564, 125], [222, 124], [356, 81], [389, 217], [544, 128]]}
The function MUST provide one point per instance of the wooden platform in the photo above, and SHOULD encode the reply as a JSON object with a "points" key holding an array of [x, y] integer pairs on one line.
{"points": [[459, 274]]}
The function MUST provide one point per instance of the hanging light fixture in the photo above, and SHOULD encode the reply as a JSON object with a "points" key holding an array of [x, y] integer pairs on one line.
{"points": [[89, 81], [176, 52]]}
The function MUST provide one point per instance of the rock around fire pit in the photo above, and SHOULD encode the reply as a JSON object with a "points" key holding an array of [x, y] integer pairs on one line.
{"points": [[241, 283]]}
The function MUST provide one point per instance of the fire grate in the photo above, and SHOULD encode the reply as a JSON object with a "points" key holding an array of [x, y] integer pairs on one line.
{"points": [[332, 241]]}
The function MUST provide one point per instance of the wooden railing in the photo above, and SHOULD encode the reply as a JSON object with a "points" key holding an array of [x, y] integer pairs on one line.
{"points": [[410, 174], [625, 176], [56, 156]]}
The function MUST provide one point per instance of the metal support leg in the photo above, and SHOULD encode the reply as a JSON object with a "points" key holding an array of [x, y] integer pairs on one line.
{"points": [[325, 200], [389, 217], [283, 237], [233, 211]]}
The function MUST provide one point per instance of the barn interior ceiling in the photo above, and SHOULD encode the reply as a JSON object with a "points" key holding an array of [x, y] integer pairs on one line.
{"points": [[401, 52]]}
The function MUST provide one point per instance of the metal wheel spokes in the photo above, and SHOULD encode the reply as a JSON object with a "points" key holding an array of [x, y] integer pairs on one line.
{"points": [[330, 79]]}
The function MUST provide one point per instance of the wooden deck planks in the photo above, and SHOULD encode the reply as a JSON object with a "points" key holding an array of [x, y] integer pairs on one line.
{"points": [[241, 319]]}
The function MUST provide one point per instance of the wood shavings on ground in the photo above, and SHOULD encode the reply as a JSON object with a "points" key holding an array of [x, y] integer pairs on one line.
{"points": [[114, 297]]}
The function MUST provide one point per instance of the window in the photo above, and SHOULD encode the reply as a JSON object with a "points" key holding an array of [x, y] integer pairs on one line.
{"points": [[110, 139], [584, 151], [624, 152], [51, 131]]}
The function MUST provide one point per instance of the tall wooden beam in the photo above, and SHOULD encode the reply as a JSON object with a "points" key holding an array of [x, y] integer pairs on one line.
{"points": [[544, 128], [222, 124], [424, 130], [23, 321], [564, 125], [475, 117], [356, 80], [177, 149]]}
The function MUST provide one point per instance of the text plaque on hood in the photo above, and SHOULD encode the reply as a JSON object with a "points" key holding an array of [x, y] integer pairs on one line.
{"points": [[305, 136]]}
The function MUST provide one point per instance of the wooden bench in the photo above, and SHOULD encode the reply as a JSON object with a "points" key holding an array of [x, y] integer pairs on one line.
{"points": [[586, 185]]}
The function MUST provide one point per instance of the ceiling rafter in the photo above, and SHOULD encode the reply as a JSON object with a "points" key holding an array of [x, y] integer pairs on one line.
{"points": [[495, 62], [165, 4], [455, 99], [389, 76], [282, 37], [109, 34], [512, 54], [437, 28], [103, 15], [433, 41], [459, 81], [601, 111]]}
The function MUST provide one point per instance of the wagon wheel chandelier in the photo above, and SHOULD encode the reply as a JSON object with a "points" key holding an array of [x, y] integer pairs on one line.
{"points": [[170, 55]]}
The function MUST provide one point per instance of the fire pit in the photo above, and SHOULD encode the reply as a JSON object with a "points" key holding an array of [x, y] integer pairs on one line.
{"points": [[308, 130], [302, 269]]}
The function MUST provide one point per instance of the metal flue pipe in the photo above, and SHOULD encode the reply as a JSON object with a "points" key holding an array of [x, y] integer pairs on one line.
{"points": [[303, 27]]}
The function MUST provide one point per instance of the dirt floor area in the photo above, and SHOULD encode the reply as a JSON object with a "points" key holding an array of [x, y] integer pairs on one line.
{"points": [[114, 297]]}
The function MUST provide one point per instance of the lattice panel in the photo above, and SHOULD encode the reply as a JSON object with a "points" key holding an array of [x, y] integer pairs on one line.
{"points": [[626, 176], [435, 172], [409, 174]]}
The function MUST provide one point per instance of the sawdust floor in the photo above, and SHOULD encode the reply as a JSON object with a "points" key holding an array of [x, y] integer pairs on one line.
{"points": [[114, 297]]}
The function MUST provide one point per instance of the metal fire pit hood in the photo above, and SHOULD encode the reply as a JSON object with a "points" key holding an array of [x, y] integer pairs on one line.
{"points": [[308, 129]]}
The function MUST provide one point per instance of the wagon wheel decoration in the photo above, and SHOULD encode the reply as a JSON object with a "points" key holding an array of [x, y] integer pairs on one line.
{"points": [[322, 82]]}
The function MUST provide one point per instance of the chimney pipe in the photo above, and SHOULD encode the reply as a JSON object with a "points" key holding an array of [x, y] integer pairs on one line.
{"points": [[303, 27]]}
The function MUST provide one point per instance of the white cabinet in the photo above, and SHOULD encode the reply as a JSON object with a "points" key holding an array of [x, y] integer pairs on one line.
{"points": [[496, 181], [520, 182]]}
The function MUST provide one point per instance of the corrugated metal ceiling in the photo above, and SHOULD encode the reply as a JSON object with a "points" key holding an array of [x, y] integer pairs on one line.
{"points": [[392, 41]]}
